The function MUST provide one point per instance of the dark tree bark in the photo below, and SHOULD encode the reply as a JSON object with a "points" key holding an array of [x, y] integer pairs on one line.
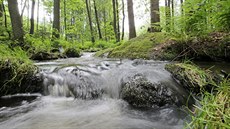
{"points": [[65, 19], [132, 29], [38, 15], [32, 18], [123, 20], [172, 14], [115, 19], [97, 20], [105, 21], [16, 21], [118, 23], [90, 21], [56, 22], [154, 14], [1, 13]]}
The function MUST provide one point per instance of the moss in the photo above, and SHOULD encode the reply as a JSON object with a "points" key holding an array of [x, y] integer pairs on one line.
{"points": [[17, 72], [211, 47], [138, 47], [103, 53], [192, 77], [72, 52]]}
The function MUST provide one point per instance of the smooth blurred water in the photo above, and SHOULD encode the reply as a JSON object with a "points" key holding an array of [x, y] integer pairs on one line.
{"points": [[56, 111]]}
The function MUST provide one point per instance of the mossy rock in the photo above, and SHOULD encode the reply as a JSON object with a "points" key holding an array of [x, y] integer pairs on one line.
{"points": [[193, 78], [41, 55], [18, 78], [72, 52]]}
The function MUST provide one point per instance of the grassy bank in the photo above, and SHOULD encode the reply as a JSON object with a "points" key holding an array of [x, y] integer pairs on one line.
{"points": [[139, 47], [161, 46], [213, 112], [17, 71]]}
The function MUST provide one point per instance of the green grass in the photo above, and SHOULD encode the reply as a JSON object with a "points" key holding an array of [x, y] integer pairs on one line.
{"points": [[138, 47], [214, 112]]}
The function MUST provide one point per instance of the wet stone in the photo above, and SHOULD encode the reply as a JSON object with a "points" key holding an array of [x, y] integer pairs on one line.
{"points": [[139, 92]]}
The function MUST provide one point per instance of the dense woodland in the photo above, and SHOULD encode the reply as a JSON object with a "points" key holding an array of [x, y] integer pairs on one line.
{"points": [[174, 30]]}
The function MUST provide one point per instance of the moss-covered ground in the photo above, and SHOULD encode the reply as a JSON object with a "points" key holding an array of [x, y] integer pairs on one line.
{"points": [[139, 47]]}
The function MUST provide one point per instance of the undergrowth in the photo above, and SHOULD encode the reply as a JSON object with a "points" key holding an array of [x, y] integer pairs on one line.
{"points": [[214, 112]]}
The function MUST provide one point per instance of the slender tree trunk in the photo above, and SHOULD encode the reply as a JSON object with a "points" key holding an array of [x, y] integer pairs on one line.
{"points": [[172, 14], [23, 9], [90, 21], [181, 6], [104, 17], [32, 18], [5, 19], [97, 20], [115, 19], [118, 22], [28, 17], [132, 29], [56, 21], [15, 20], [1, 14], [38, 15], [123, 20], [154, 14], [65, 19], [167, 15]]}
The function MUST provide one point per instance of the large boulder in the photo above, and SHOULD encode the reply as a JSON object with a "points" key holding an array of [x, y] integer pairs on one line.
{"points": [[140, 92]]}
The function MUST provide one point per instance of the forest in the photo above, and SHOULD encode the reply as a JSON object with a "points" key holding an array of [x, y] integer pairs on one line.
{"points": [[183, 33]]}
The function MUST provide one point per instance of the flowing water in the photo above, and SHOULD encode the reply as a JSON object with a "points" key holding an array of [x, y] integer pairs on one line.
{"points": [[84, 93]]}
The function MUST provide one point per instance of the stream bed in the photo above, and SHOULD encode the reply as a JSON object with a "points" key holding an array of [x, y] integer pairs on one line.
{"points": [[68, 104]]}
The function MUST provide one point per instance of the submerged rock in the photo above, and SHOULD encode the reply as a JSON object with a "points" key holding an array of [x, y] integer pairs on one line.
{"points": [[139, 92], [70, 81]]}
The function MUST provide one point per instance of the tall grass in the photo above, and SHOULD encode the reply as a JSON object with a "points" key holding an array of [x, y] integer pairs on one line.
{"points": [[215, 110]]}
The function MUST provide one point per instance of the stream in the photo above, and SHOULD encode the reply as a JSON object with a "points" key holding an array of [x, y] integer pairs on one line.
{"points": [[84, 93]]}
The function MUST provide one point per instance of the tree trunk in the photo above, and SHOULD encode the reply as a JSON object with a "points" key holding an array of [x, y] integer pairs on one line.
{"points": [[132, 30], [172, 14], [105, 21], [123, 20], [15, 20], [56, 21], [115, 19], [90, 21], [155, 17], [38, 15], [181, 6], [28, 17], [32, 18], [1, 11], [5, 19], [167, 15], [118, 22], [65, 19], [97, 20]]}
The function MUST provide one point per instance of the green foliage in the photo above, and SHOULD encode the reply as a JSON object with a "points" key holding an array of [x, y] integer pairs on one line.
{"points": [[199, 17], [215, 110]]}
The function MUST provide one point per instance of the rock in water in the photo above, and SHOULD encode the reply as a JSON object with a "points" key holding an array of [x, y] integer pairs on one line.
{"points": [[139, 92]]}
